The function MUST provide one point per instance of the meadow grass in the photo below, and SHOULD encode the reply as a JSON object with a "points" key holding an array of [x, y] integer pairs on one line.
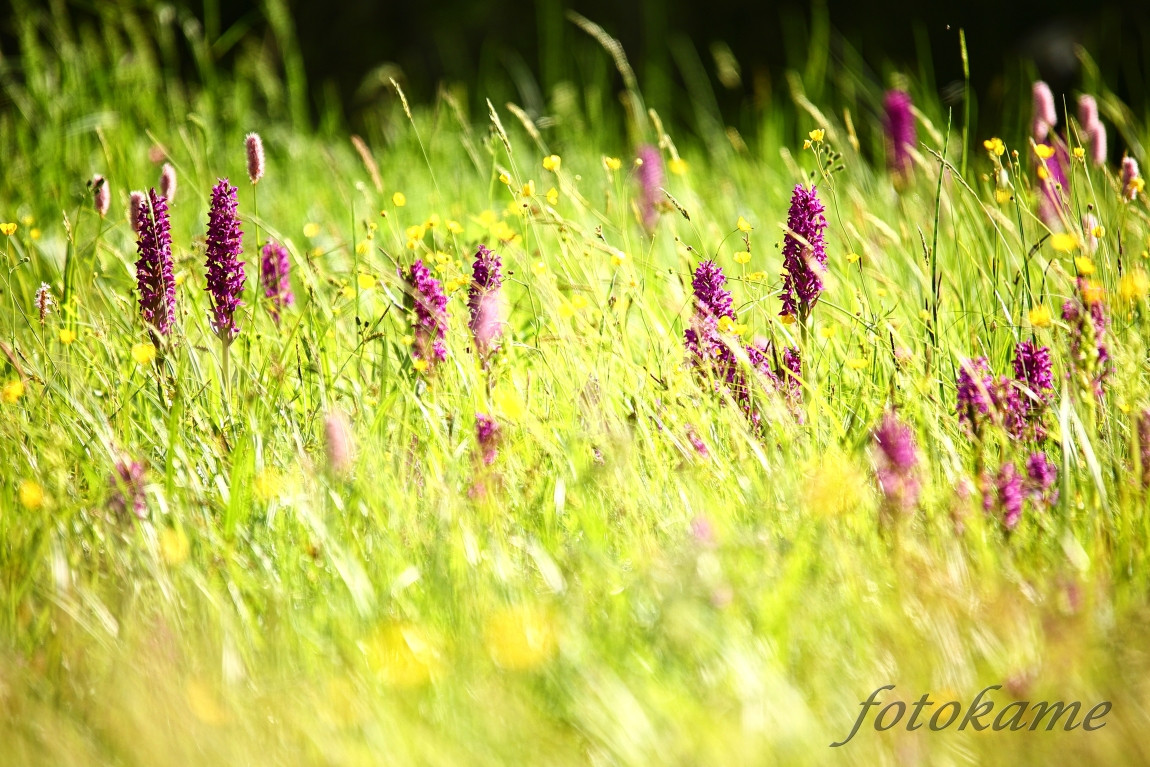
{"points": [[602, 592]]}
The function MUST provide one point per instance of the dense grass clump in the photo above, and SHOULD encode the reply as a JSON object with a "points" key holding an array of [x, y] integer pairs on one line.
{"points": [[519, 439]]}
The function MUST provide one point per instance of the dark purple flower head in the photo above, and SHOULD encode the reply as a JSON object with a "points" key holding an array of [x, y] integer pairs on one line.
{"points": [[1041, 476], [896, 460], [1033, 373], [225, 270], [900, 131], [154, 281], [697, 442], [804, 253], [275, 276], [1094, 132], [127, 489], [1005, 495], [711, 298], [487, 434], [650, 175], [429, 304], [485, 303], [983, 397]]}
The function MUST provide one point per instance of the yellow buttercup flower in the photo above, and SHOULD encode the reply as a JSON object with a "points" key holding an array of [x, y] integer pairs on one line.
{"points": [[12, 391], [617, 258], [454, 226], [1093, 292], [1134, 285], [1002, 196], [742, 257], [539, 268], [1098, 232], [310, 229], [365, 281], [1084, 265], [31, 494], [67, 336], [1044, 151], [143, 353], [529, 189], [504, 178], [743, 225], [612, 163], [8, 229], [552, 162], [858, 363], [995, 145], [1064, 242], [678, 166], [420, 364], [1079, 152], [1040, 316], [399, 199], [852, 258], [552, 196], [816, 135], [828, 332]]}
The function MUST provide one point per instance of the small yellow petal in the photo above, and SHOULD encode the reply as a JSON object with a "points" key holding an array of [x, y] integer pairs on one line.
{"points": [[366, 281], [612, 163], [743, 225], [552, 196], [742, 257], [8, 229], [787, 319], [1044, 151], [67, 336], [858, 363], [454, 227], [816, 135], [399, 199], [1040, 316], [552, 162], [1079, 152], [678, 166], [852, 258], [310, 229], [1084, 265]]}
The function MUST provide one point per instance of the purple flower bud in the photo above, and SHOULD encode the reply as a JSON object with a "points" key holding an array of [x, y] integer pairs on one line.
{"points": [[1041, 476], [44, 301], [896, 462], [1087, 111], [275, 276], [485, 302], [1045, 114], [225, 271], [429, 305], [101, 195], [254, 147], [338, 442], [1032, 371], [154, 280], [126, 485], [487, 434], [900, 131], [1131, 179], [1054, 205], [804, 253], [168, 181], [1005, 494], [135, 204], [650, 175], [1094, 133]]}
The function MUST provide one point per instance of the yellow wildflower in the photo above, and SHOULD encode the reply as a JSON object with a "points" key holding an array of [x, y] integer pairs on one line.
{"points": [[1064, 242], [1134, 285], [827, 332], [12, 391], [310, 229], [552, 162], [852, 258], [143, 353], [552, 196], [403, 655], [1079, 153], [858, 363], [742, 257], [1098, 232], [816, 135], [67, 336], [787, 319], [399, 199], [31, 494], [1044, 151], [504, 178], [420, 365], [995, 145], [678, 166], [617, 258], [8, 229], [366, 281], [361, 248], [1093, 292], [539, 268], [743, 225], [529, 189], [612, 163], [454, 227], [1040, 316], [34, 233]]}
